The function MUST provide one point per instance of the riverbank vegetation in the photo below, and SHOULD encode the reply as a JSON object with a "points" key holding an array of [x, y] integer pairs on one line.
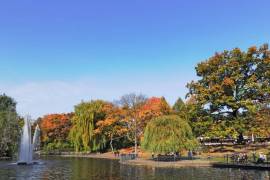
{"points": [[9, 126], [229, 100]]}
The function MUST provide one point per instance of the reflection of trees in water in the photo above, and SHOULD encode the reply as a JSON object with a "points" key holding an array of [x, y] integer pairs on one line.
{"points": [[86, 168], [133, 172]]}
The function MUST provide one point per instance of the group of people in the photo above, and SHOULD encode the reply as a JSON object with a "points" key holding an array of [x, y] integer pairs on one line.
{"points": [[240, 158], [243, 158]]}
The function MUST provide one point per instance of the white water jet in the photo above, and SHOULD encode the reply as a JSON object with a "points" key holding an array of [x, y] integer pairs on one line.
{"points": [[36, 138], [26, 148]]}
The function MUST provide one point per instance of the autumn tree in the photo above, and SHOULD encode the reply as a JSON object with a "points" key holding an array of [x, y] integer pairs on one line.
{"points": [[9, 126], [113, 127], [131, 104], [153, 107], [231, 85], [55, 129]]}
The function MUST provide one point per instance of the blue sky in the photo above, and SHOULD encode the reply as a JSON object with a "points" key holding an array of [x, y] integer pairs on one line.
{"points": [[54, 54]]}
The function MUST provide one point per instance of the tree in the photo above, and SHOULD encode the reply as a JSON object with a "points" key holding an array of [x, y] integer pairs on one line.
{"points": [[113, 126], [166, 134], [153, 107], [231, 85], [259, 124], [84, 122], [131, 104], [55, 129], [197, 117], [9, 126], [179, 106]]}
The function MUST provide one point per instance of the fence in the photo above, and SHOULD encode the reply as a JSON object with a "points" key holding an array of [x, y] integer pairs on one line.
{"points": [[127, 157]]}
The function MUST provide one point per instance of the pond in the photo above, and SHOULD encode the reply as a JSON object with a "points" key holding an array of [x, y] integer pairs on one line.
{"points": [[84, 168]]}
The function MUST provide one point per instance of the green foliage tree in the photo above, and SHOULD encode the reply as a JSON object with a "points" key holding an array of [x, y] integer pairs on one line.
{"points": [[9, 126], [259, 124], [166, 134], [179, 106], [231, 86], [86, 115]]}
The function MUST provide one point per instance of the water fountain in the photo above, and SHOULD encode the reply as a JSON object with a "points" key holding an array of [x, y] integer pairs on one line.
{"points": [[26, 146], [36, 140]]}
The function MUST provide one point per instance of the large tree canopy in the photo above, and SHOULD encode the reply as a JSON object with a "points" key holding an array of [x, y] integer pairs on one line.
{"points": [[166, 134], [113, 127], [9, 126], [55, 129], [259, 124], [232, 84], [82, 135]]}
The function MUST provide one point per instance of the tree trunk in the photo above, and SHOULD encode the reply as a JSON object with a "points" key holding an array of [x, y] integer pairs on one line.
{"points": [[136, 141], [234, 113], [111, 144]]}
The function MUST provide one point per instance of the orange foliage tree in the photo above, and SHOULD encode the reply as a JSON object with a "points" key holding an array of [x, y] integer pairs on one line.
{"points": [[153, 107], [113, 126], [55, 128]]}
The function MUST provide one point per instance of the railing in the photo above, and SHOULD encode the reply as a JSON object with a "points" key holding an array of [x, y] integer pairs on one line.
{"points": [[128, 157]]}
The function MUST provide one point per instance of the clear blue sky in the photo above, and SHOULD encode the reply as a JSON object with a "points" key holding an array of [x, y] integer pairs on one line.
{"points": [[55, 53]]}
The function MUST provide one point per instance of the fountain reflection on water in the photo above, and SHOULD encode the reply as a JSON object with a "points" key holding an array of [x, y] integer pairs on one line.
{"points": [[26, 145]]}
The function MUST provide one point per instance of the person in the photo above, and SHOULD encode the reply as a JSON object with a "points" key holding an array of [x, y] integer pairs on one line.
{"points": [[239, 158], [265, 157], [262, 158], [245, 158], [240, 139], [254, 156], [190, 154], [153, 156]]}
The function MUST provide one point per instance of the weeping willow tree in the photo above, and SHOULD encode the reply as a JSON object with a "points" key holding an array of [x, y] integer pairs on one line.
{"points": [[82, 135], [167, 134]]}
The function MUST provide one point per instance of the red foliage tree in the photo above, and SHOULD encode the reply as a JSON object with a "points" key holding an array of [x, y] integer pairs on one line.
{"points": [[153, 107], [55, 127]]}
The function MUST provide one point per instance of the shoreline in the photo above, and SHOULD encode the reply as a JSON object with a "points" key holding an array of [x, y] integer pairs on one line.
{"points": [[176, 164], [92, 156], [194, 164]]}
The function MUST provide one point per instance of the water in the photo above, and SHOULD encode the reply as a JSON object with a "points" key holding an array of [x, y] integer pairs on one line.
{"points": [[55, 168]]}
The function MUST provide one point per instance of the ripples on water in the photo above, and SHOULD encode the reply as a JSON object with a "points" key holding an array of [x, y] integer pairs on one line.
{"points": [[55, 168]]}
